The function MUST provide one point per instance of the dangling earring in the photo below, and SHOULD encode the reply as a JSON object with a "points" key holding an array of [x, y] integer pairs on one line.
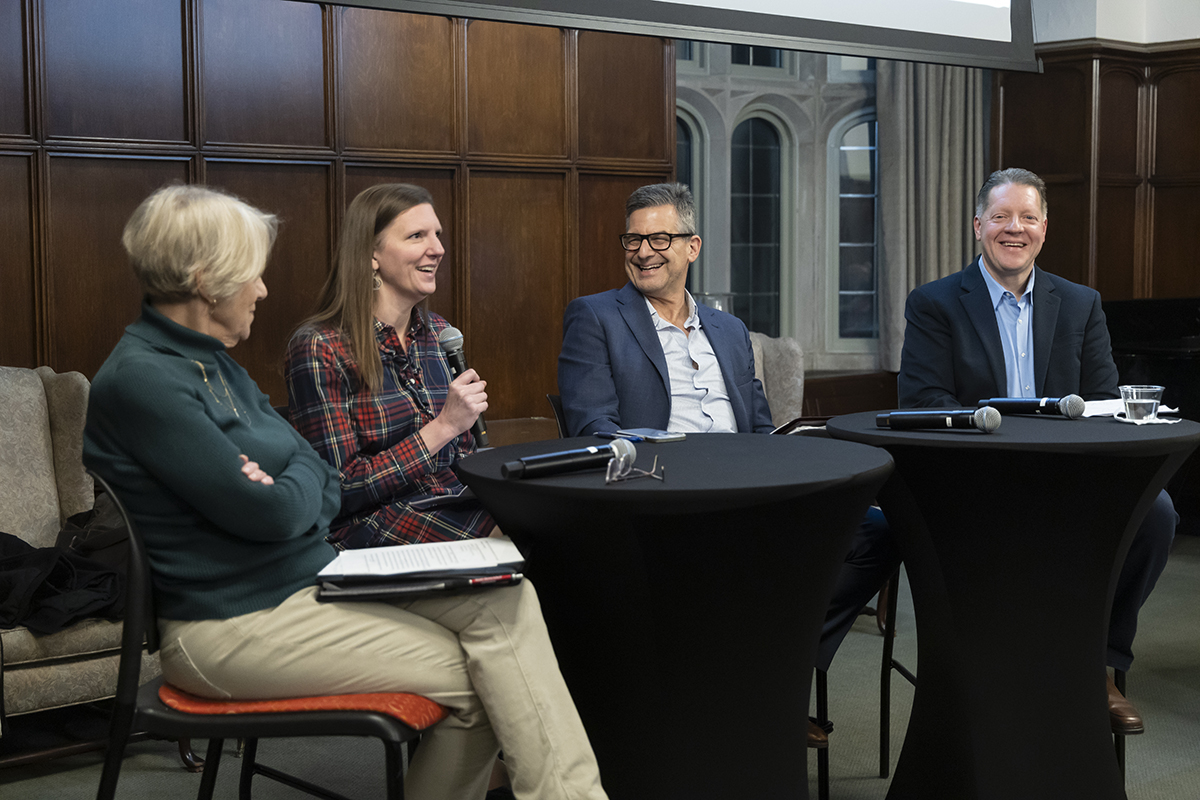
{"points": [[376, 283]]}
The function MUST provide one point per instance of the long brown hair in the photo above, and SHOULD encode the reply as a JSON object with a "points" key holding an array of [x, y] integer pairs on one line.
{"points": [[348, 298]]}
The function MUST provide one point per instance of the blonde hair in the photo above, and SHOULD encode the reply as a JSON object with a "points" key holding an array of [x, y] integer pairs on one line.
{"points": [[183, 239], [348, 298]]}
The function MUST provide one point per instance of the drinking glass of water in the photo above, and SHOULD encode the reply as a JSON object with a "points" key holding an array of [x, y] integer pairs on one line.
{"points": [[1141, 402]]}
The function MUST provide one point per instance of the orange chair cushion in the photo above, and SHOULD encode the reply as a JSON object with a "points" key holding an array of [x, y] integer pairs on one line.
{"points": [[413, 710]]}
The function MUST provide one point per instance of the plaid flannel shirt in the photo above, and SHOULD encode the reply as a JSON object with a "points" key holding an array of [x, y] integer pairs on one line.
{"points": [[372, 439]]}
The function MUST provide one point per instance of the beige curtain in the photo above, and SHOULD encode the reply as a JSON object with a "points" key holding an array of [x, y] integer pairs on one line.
{"points": [[930, 167]]}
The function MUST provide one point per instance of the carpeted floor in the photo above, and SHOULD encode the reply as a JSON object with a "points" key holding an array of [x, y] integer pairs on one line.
{"points": [[1163, 763]]}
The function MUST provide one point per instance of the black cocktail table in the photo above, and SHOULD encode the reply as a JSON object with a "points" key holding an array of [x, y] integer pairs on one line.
{"points": [[686, 613], [1012, 542]]}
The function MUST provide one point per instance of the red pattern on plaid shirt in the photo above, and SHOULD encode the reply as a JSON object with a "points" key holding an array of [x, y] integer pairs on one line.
{"points": [[372, 438]]}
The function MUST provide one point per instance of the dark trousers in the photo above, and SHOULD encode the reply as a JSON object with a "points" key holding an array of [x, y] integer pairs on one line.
{"points": [[874, 556]]}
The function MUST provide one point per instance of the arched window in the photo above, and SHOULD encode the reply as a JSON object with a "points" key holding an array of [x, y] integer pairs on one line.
{"points": [[755, 220], [854, 198], [683, 154]]}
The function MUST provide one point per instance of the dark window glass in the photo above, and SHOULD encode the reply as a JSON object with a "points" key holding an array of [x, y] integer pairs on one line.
{"points": [[683, 154], [684, 50], [858, 223], [755, 225], [757, 56]]}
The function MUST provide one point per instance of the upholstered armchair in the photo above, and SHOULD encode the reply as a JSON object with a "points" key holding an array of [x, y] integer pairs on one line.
{"points": [[779, 365], [42, 482]]}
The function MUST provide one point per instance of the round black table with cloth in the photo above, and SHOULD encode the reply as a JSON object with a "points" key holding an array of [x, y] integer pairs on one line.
{"points": [[685, 613], [1012, 542]]}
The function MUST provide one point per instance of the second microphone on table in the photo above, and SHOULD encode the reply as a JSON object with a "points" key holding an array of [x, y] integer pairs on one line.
{"points": [[451, 342], [1071, 406], [593, 457], [986, 419]]}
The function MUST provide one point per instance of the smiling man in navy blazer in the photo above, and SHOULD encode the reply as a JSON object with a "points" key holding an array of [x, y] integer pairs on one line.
{"points": [[647, 355], [1005, 328]]}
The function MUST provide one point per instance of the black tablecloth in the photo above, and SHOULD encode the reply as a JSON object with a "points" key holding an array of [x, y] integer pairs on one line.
{"points": [[685, 613], [1012, 542]]}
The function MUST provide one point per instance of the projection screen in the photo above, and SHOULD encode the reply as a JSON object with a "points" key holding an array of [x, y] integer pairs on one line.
{"points": [[997, 34]]}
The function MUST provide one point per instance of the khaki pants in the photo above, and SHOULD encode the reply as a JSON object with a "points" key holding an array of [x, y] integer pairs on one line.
{"points": [[486, 656]]}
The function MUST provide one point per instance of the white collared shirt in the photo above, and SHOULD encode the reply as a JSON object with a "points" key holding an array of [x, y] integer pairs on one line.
{"points": [[699, 399]]}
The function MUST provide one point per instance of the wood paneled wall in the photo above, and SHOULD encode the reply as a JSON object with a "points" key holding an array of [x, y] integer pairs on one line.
{"points": [[1114, 132], [529, 139]]}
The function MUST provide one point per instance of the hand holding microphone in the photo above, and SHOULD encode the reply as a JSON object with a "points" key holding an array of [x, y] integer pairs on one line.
{"points": [[451, 342]]}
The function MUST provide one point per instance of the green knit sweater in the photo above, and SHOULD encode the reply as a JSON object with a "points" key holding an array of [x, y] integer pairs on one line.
{"points": [[168, 415]]}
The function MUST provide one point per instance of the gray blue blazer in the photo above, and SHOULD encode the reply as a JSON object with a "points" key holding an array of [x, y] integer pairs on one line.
{"points": [[612, 373]]}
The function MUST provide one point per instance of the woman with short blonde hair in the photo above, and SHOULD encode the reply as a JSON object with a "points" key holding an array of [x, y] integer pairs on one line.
{"points": [[234, 507], [189, 240]]}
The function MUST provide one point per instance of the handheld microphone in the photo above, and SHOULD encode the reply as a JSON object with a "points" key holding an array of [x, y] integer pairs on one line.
{"points": [[568, 460], [451, 342], [1071, 406], [985, 419]]}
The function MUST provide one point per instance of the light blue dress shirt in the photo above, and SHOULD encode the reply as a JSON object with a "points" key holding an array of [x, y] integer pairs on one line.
{"points": [[1014, 317], [699, 399]]}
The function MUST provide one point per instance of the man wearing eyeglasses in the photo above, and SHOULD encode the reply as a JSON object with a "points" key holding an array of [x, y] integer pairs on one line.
{"points": [[647, 355]]}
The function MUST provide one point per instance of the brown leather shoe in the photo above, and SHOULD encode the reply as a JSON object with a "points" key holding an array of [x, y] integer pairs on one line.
{"points": [[817, 738], [1122, 714]]}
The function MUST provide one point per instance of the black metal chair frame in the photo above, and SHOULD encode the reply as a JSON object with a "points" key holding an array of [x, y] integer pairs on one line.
{"points": [[141, 709], [885, 675], [559, 419]]}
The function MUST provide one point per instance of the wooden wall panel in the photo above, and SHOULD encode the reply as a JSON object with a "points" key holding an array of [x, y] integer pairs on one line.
{"points": [[297, 106], [1044, 121], [1125, 191], [1116, 215], [1119, 123], [18, 297], [623, 98], [1176, 210], [518, 265], [441, 184], [299, 194], [516, 89], [1177, 142], [115, 70], [264, 74], [601, 220], [398, 81], [93, 294], [14, 97], [1066, 250]]}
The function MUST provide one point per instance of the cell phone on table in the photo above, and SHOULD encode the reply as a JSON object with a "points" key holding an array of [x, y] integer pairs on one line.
{"points": [[653, 434]]}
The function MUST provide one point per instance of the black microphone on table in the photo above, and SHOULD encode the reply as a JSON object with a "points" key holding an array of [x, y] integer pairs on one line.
{"points": [[985, 419], [451, 342], [592, 457], [1071, 406]]}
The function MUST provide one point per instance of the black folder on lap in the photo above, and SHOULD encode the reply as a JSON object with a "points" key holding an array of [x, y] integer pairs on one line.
{"points": [[419, 570]]}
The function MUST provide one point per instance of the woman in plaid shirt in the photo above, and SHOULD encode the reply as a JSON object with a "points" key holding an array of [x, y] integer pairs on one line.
{"points": [[370, 388]]}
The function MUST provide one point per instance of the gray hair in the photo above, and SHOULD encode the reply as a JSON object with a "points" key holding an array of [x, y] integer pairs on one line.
{"points": [[665, 194], [1002, 177], [182, 238]]}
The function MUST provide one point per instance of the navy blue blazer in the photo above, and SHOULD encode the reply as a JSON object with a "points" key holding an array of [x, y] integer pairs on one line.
{"points": [[952, 354], [612, 373]]}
